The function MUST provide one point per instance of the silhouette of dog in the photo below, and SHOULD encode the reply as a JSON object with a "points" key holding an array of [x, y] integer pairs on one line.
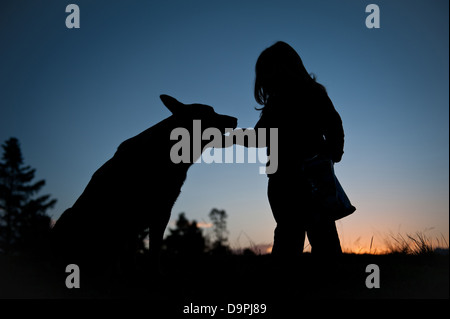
{"points": [[134, 190]]}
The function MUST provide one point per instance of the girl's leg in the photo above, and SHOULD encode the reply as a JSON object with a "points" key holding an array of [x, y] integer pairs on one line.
{"points": [[324, 238], [288, 241], [289, 237]]}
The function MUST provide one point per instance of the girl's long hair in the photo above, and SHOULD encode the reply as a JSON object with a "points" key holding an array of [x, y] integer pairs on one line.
{"points": [[279, 70]]}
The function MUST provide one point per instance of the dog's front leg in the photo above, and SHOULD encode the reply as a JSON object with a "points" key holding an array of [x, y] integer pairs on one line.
{"points": [[156, 235]]}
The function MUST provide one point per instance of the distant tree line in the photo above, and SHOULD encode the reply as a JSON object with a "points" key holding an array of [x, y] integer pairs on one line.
{"points": [[188, 239]]}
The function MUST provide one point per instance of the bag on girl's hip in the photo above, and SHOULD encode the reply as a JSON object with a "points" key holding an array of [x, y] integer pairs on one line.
{"points": [[326, 192]]}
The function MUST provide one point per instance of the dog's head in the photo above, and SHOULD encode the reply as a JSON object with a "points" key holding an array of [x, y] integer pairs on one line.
{"points": [[205, 113]]}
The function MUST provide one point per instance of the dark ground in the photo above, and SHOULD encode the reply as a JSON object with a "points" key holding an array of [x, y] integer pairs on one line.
{"points": [[221, 280], [237, 279]]}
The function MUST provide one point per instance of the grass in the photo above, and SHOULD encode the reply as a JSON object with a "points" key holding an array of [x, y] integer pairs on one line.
{"points": [[418, 244]]}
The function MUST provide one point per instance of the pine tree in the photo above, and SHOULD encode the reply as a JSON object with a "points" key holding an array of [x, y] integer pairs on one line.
{"points": [[23, 219]]}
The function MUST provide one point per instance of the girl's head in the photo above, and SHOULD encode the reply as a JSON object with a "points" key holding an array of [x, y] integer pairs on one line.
{"points": [[279, 68]]}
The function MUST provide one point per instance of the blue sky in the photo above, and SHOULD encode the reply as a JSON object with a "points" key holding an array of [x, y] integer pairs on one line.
{"points": [[72, 96]]}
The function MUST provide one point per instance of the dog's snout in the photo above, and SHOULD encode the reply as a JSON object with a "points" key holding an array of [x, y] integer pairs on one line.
{"points": [[230, 121]]}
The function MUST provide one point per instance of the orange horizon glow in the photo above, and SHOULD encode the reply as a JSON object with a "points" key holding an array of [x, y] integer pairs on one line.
{"points": [[408, 243]]}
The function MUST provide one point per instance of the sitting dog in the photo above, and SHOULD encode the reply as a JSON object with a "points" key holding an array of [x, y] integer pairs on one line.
{"points": [[133, 191]]}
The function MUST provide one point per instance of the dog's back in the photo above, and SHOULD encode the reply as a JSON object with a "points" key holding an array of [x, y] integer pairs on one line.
{"points": [[135, 188]]}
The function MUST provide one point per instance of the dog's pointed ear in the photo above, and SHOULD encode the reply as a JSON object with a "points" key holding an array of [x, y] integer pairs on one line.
{"points": [[172, 104]]}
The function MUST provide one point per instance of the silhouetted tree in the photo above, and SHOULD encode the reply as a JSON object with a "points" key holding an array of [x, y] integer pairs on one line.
{"points": [[23, 219], [185, 239], [219, 221]]}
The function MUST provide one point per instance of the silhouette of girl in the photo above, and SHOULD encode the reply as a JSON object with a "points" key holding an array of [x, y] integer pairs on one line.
{"points": [[308, 124]]}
